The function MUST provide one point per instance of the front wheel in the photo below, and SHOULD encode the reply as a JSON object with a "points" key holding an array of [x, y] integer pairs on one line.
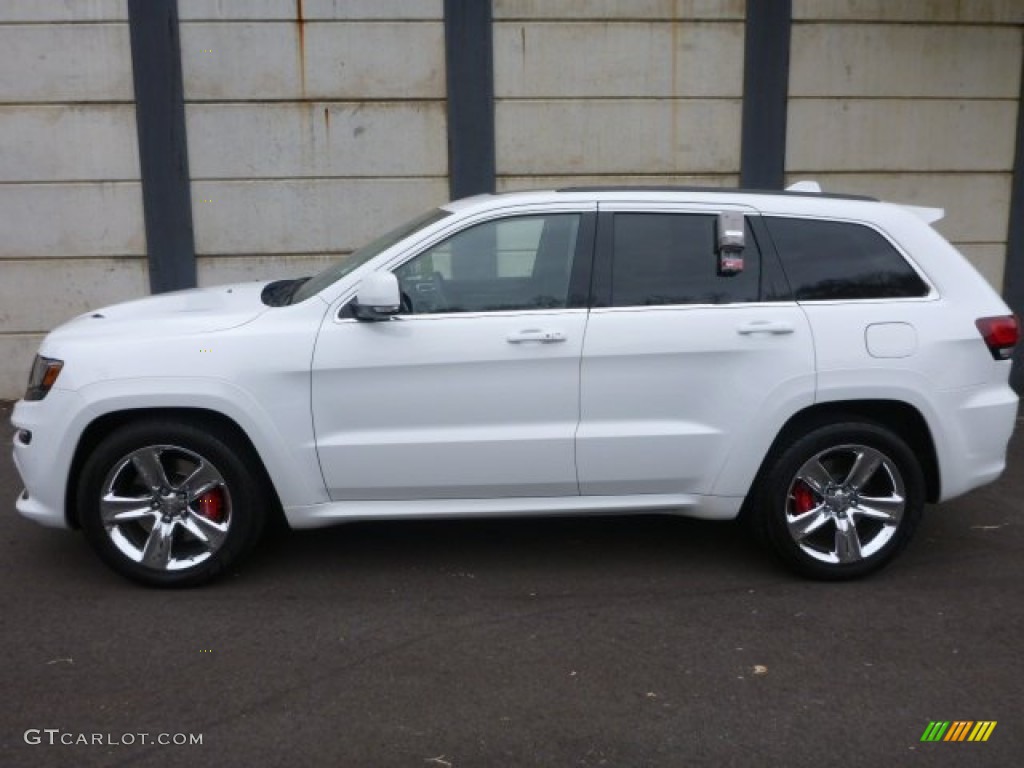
{"points": [[841, 501], [170, 504]]}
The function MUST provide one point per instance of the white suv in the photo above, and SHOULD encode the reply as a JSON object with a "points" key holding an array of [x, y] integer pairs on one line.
{"points": [[824, 365]]}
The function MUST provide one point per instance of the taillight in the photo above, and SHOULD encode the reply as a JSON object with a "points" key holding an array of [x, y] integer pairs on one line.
{"points": [[1000, 334]]}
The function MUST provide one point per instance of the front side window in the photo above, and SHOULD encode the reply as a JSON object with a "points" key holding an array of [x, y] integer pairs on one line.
{"points": [[836, 260], [671, 258], [339, 269], [516, 263]]}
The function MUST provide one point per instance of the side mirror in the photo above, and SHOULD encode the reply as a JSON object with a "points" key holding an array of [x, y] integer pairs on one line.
{"points": [[378, 298]]}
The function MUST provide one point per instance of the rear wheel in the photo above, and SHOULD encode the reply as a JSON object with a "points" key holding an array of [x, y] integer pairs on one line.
{"points": [[841, 501], [170, 504]]}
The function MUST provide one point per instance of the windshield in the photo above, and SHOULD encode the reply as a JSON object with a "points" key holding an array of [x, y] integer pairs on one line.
{"points": [[356, 259]]}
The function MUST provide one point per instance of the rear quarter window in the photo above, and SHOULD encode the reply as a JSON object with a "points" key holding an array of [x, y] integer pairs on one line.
{"points": [[835, 260]]}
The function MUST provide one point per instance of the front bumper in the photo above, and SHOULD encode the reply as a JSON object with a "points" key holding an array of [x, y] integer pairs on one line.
{"points": [[44, 463]]}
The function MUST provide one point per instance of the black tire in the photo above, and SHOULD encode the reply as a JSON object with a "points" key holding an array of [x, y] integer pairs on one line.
{"points": [[834, 532], [155, 536]]}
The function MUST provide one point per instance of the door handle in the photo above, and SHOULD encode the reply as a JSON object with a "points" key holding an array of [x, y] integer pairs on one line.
{"points": [[535, 334], [774, 327]]}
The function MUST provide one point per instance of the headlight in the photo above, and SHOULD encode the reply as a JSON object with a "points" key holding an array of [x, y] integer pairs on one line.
{"points": [[45, 371]]}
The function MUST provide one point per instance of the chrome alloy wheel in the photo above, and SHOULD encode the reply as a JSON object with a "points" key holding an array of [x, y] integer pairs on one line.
{"points": [[165, 507], [845, 504]]}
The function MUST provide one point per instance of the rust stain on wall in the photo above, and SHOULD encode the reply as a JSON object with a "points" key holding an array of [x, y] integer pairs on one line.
{"points": [[522, 45]]}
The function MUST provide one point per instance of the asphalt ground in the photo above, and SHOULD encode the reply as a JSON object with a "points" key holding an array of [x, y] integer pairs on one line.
{"points": [[616, 641]]}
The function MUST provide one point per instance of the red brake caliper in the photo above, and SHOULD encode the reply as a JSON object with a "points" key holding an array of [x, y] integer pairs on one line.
{"points": [[803, 498], [211, 505]]}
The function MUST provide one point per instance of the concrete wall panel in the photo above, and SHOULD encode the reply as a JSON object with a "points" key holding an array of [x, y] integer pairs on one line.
{"points": [[976, 203], [218, 270], [63, 10], [313, 60], [882, 60], [225, 10], [69, 191], [900, 135], [68, 143], [16, 352], [317, 139], [305, 216], [922, 11], [514, 183], [310, 133], [618, 137], [81, 219], [988, 259], [65, 62], [37, 295], [617, 9], [584, 59]]}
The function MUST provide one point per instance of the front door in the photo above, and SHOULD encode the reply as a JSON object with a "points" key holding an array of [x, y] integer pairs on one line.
{"points": [[473, 390]]}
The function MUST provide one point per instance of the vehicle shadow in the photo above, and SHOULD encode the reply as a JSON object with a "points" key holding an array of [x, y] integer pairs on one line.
{"points": [[622, 546]]}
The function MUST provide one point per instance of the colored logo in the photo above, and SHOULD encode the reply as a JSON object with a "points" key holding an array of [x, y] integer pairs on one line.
{"points": [[958, 730]]}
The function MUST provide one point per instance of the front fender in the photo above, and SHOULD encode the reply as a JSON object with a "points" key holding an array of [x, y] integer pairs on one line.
{"points": [[283, 439]]}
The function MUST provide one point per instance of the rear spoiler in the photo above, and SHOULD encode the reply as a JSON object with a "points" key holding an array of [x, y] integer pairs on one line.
{"points": [[928, 215]]}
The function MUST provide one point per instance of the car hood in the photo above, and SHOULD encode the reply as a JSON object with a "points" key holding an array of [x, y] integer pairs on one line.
{"points": [[199, 310]]}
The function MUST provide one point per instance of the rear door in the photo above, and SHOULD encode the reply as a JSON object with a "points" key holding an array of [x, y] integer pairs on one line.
{"points": [[682, 364]]}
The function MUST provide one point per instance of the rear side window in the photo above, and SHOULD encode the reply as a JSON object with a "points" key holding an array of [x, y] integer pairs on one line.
{"points": [[833, 260], [670, 258]]}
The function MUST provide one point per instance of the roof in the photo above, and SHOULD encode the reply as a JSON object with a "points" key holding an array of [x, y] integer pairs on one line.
{"points": [[801, 198], [716, 190]]}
